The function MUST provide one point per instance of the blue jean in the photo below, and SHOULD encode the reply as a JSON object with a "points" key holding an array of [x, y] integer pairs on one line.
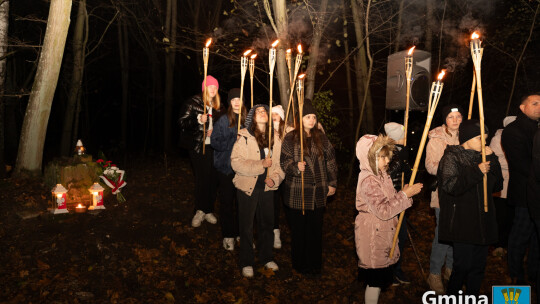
{"points": [[259, 205], [440, 252]]}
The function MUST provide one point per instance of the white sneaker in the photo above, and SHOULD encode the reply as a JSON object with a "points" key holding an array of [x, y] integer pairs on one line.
{"points": [[228, 244], [211, 218], [197, 219], [247, 272], [277, 239], [272, 266]]}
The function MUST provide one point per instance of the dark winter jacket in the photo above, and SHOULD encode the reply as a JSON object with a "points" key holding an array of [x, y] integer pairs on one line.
{"points": [[533, 189], [399, 164], [222, 140], [319, 174], [191, 131], [461, 197], [516, 141]]}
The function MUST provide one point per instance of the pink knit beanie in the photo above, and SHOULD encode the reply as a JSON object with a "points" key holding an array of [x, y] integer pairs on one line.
{"points": [[210, 81]]}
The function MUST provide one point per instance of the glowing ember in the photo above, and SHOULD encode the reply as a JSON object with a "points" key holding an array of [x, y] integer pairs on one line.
{"points": [[411, 51], [289, 51], [275, 43], [301, 76], [300, 48], [441, 75], [253, 56], [208, 42], [247, 52], [475, 36]]}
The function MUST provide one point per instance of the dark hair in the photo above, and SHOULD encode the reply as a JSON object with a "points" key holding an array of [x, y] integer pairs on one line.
{"points": [[524, 98], [316, 137], [261, 137], [281, 128], [232, 116]]}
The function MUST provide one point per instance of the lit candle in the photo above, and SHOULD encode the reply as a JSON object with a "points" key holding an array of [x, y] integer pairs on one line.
{"points": [[97, 196], [60, 199], [80, 208]]}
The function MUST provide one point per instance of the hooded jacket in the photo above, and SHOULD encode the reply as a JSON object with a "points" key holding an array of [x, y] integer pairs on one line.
{"points": [[377, 203], [517, 141], [438, 141], [247, 163], [191, 131], [462, 218]]}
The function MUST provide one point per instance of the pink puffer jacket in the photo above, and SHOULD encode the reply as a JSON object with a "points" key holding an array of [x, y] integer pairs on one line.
{"points": [[377, 203], [438, 140]]}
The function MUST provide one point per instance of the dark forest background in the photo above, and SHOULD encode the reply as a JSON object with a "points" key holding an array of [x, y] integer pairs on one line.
{"points": [[138, 28]]}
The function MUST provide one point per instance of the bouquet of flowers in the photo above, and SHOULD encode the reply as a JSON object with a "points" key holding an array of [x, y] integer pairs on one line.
{"points": [[113, 177]]}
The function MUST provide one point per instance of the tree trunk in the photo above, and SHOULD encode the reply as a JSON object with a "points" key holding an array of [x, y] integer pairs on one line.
{"points": [[35, 122], [123, 49], [314, 49], [361, 66], [66, 144], [282, 72], [429, 26], [348, 69], [4, 23], [399, 26], [170, 58]]}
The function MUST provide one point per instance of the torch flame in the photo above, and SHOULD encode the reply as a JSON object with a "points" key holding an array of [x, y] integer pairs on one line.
{"points": [[247, 52], [441, 75], [208, 42], [411, 50], [253, 56], [288, 51], [300, 48], [475, 36], [301, 76], [275, 43]]}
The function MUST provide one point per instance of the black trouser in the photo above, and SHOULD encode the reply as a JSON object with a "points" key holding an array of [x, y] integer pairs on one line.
{"points": [[505, 217], [469, 268], [537, 226], [259, 205], [278, 196], [205, 179], [227, 205], [306, 239]]}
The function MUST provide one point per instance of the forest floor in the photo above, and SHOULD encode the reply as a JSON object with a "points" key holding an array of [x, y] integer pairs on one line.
{"points": [[145, 250]]}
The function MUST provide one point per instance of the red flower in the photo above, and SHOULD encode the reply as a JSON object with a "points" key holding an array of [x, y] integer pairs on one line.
{"points": [[99, 161], [108, 162]]}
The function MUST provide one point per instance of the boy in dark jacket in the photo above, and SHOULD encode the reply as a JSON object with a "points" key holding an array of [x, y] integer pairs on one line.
{"points": [[463, 220]]}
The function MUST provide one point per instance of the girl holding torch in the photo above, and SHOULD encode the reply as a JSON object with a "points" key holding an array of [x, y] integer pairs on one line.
{"points": [[377, 203], [439, 139], [196, 123], [250, 159], [223, 138], [319, 171]]}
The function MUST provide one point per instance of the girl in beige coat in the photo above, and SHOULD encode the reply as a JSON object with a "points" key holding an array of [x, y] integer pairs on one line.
{"points": [[258, 174], [439, 138], [377, 203]]}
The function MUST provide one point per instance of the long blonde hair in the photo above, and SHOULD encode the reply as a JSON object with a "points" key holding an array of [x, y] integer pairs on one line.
{"points": [[214, 102]]}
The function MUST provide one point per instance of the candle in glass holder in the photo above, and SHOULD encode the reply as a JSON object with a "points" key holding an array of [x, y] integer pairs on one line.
{"points": [[80, 208]]}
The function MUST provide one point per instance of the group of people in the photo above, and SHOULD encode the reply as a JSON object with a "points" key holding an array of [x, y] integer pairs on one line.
{"points": [[257, 169]]}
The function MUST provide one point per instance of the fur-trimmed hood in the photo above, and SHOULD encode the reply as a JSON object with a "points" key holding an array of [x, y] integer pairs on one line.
{"points": [[367, 151]]}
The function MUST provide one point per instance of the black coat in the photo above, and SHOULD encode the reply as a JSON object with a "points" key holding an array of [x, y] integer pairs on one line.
{"points": [[399, 164], [461, 197], [191, 131], [533, 190], [516, 141]]}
